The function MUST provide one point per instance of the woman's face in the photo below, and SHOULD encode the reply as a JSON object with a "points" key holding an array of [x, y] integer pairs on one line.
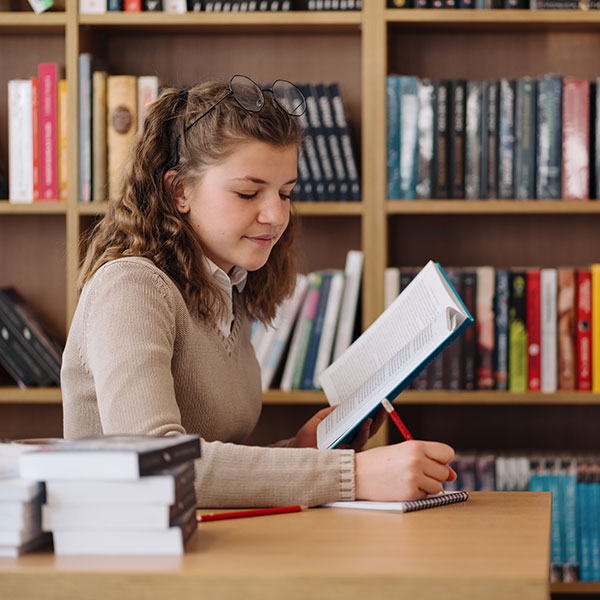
{"points": [[241, 207]]}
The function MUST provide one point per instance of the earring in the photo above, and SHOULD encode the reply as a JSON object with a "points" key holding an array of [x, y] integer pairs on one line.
{"points": [[182, 205]]}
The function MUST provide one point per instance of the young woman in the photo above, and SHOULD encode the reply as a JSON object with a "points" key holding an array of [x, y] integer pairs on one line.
{"points": [[197, 245]]}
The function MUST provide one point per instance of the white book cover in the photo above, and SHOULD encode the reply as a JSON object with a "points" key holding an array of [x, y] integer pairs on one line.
{"points": [[419, 324], [175, 6], [391, 284], [330, 321], [147, 86], [282, 326], [16, 515], [14, 551], [345, 328], [91, 7], [20, 141], [549, 332]]}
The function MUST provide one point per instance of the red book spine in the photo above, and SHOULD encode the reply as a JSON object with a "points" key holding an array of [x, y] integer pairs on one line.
{"points": [[48, 132], [35, 115], [584, 331], [533, 330], [133, 5], [576, 139]]}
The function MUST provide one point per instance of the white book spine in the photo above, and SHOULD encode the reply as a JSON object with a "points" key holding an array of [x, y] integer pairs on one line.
{"points": [[548, 310], [20, 141], [175, 6], [391, 284], [147, 86], [353, 271], [332, 311], [90, 7]]}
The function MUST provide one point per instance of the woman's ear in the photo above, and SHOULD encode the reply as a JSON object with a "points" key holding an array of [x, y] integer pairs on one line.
{"points": [[181, 204]]}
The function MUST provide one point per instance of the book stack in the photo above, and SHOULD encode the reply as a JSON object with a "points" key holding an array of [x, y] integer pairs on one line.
{"points": [[311, 328], [518, 139], [117, 494], [37, 137], [20, 506], [29, 352]]}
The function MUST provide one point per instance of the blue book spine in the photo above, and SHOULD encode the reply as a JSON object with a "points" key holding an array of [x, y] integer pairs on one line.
{"points": [[409, 117], [525, 127], [306, 382], [506, 139], [583, 515], [552, 485], [595, 521], [116, 5], [501, 320], [569, 481], [549, 137], [393, 137]]}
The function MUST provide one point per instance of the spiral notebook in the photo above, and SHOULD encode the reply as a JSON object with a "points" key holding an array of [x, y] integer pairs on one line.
{"points": [[429, 502]]}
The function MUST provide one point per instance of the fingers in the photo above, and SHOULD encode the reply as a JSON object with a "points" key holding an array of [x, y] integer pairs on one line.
{"points": [[438, 451], [362, 435]]}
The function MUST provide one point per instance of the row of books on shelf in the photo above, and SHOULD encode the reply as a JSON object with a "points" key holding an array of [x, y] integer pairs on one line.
{"points": [[30, 353], [498, 4], [225, 6], [520, 139], [574, 482], [111, 495], [534, 330], [37, 136]]}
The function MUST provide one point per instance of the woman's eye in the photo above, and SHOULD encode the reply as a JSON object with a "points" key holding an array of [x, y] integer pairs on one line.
{"points": [[246, 196], [285, 196]]}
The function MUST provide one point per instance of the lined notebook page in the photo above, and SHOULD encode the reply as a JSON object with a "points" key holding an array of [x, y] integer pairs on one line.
{"points": [[429, 502]]}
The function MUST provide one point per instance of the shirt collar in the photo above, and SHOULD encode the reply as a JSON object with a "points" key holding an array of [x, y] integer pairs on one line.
{"points": [[237, 278]]}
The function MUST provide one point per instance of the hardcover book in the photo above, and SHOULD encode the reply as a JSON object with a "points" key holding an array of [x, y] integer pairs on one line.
{"points": [[426, 159], [426, 317], [501, 320], [20, 141], [506, 139], [485, 328], [517, 333], [473, 147], [48, 131], [566, 328], [583, 329], [469, 340], [441, 140], [525, 139], [456, 138], [408, 106], [548, 312], [534, 342]]}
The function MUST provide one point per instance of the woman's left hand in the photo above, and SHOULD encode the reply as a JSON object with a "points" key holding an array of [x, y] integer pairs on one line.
{"points": [[307, 434]]}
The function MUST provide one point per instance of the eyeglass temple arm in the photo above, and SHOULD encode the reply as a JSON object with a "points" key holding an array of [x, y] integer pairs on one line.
{"points": [[188, 127]]}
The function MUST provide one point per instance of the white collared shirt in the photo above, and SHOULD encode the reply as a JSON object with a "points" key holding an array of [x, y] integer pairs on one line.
{"points": [[226, 283]]}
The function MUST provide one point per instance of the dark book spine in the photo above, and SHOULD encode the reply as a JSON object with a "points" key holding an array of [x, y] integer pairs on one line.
{"points": [[152, 5], [409, 112], [195, 5], [596, 142], [466, 4], [473, 140], [501, 324], [441, 141], [506, 139], [426, 157], [304, 189], [549, 137], [452, 354], [14, 361], [155, 460], [517, 333], [310, 151], [483, 161], [114, 5], [339, 116], [469, 374], [456, 138], [393, 137], [525, 165], [335, 149]]}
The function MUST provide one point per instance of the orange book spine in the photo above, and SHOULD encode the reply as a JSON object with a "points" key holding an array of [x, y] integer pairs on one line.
{"points": [[62, 139]]}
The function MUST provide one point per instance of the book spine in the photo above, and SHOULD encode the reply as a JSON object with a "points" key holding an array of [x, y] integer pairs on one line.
{"points": [[473, 140], [483, 141], [155, 460], [525, 139], [152, 5], [92, 6], [409, 113], [304, 189], [339, 116], [114, 5], [121, 106], [583, 329], [576, 139], [176, 6], [62, 140], [517, 354], [469, 374], [48, 130], [492, 169], [132, 5], [20, 138], [549, 315], [501, 305], [506, 139], [569, 493], [441, 140], [595, 269], [485, 328], [596, 145], [310, 151], [456, 138], [426, 125], [99, 79], [566, 328], [393, 137], [549, 137], [534, 342], [35, 138], [85, 127], [147, 93]]}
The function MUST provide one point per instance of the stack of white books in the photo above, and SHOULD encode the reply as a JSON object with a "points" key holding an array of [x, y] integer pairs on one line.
{"points": [[119, 495], [20, 506]]}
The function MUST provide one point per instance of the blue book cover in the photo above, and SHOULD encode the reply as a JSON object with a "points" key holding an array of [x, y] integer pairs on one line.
{"points": [[393, 137]]}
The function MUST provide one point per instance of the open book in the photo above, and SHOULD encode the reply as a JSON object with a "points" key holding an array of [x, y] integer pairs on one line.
{"points": [[426, 317]]}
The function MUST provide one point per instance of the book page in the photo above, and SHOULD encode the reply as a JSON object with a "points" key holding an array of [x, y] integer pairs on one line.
{"points": [[404, 325]]}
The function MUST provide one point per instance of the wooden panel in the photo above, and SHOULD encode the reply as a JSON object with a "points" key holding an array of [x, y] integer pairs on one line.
{"points": [[31, 420], [488, 55], [502, 241], [32, 258]]}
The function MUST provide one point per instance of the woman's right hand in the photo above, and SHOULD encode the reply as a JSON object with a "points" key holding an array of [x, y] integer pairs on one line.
{"points": [[406, 471]]}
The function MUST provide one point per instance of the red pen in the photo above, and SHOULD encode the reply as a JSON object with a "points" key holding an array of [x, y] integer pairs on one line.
{"points": [[396, 418], [255, 512]]}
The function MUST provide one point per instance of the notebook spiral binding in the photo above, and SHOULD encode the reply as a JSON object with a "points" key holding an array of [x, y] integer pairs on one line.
{"points": [[447, 498]]}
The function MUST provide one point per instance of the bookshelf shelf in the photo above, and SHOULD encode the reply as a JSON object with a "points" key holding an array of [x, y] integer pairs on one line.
{"points": [[489, 207], [577, 587], [38, 208], [25, 22], [294, 397], [492, 397], [15, 395]]}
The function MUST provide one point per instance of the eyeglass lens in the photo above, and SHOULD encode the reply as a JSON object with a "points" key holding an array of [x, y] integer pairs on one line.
{"points": [[289, 97], [247, 93]]}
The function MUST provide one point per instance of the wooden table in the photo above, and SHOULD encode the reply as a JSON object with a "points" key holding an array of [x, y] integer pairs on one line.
{"points": [[494, 546]]}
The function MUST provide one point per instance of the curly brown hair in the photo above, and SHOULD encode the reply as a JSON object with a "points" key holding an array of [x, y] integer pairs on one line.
{"points": [[143, 220]]}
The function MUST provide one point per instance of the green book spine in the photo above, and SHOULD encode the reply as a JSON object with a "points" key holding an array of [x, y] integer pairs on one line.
{"points": [[517, 335]]}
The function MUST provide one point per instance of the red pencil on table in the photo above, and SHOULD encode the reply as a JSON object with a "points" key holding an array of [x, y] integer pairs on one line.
{"points": [[254, 512], [396, 418]]}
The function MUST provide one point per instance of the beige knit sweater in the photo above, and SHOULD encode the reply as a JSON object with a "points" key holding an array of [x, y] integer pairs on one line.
{"points": [[137, 362]]}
